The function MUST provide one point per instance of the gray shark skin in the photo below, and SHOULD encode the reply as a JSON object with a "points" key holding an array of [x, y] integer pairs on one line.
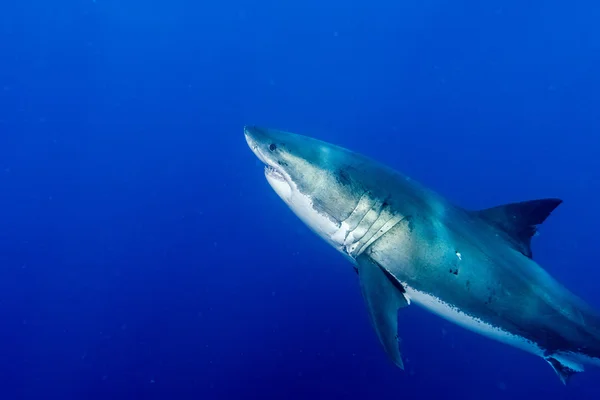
{"points": [[408, 244]]}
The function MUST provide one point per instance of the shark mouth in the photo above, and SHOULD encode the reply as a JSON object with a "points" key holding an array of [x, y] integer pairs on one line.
{"points": [[279, 183], [272, 173]]}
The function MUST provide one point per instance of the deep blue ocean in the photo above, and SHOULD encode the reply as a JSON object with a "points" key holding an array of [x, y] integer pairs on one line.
{"points": [[144, 256]]}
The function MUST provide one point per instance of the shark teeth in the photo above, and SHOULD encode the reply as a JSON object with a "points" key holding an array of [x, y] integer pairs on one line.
{"points": [[273, 173]]}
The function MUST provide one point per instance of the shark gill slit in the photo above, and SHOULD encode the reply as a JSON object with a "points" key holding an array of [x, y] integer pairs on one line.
{"points": [[373, 229], [375, 222], [368, 209], [347, 226], [363, 227], [389, 225], [355, 218]]}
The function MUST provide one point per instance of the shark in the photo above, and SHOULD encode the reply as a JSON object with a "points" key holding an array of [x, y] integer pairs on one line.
{"points": [[408, 244]]}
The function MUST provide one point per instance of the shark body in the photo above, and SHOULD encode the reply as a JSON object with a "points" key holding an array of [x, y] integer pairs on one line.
{"points": [[408, 244]]}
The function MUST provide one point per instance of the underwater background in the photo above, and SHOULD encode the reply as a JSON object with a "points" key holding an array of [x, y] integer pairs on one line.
{"points": [[144, 256]]}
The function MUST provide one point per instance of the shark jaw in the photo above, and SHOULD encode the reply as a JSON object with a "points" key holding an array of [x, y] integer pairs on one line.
{"points": [[369, 219], [276, 177], [301, 204], [280, 184]]}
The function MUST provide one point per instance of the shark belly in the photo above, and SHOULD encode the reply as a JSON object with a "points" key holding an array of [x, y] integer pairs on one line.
{"points": [[565, 363], [453, 314]]}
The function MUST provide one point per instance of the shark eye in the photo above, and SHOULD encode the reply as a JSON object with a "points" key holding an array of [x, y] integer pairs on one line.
{"points": [[272, 146]]}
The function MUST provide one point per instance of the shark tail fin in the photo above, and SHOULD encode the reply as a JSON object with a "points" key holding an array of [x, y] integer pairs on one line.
{"points": [[519, 220], [564, 368]]}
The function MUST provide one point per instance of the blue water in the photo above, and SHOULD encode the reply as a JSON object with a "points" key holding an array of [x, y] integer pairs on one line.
{"points": [[142, 253]]}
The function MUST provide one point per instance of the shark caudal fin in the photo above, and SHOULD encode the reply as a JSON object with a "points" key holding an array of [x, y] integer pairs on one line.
{"points": [[564, 368], [519, 220]]}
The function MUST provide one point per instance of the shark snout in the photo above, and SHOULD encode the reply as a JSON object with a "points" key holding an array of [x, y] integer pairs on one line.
{"points": [[265, 148], [262, 142], [249, 136], [262, 145], [254, 135], [253, 139]]}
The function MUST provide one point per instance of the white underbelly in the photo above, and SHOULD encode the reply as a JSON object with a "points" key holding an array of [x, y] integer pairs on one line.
{"points": [[476, 325]]}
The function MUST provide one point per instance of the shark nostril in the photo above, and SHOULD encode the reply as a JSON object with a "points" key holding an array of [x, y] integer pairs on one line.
{"points": [[272, 147]]}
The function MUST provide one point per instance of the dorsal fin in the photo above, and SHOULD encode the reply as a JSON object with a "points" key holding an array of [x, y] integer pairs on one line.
{"points": [[519, 220]]}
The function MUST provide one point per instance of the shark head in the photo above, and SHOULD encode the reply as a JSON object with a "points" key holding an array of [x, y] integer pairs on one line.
{"points": [[328, 187]]}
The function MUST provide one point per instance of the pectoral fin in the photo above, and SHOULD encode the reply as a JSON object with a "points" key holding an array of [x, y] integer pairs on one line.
{"points": [[384, 296]]}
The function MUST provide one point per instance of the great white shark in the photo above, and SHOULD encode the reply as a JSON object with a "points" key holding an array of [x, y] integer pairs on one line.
{"points": [[409, 244]]}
